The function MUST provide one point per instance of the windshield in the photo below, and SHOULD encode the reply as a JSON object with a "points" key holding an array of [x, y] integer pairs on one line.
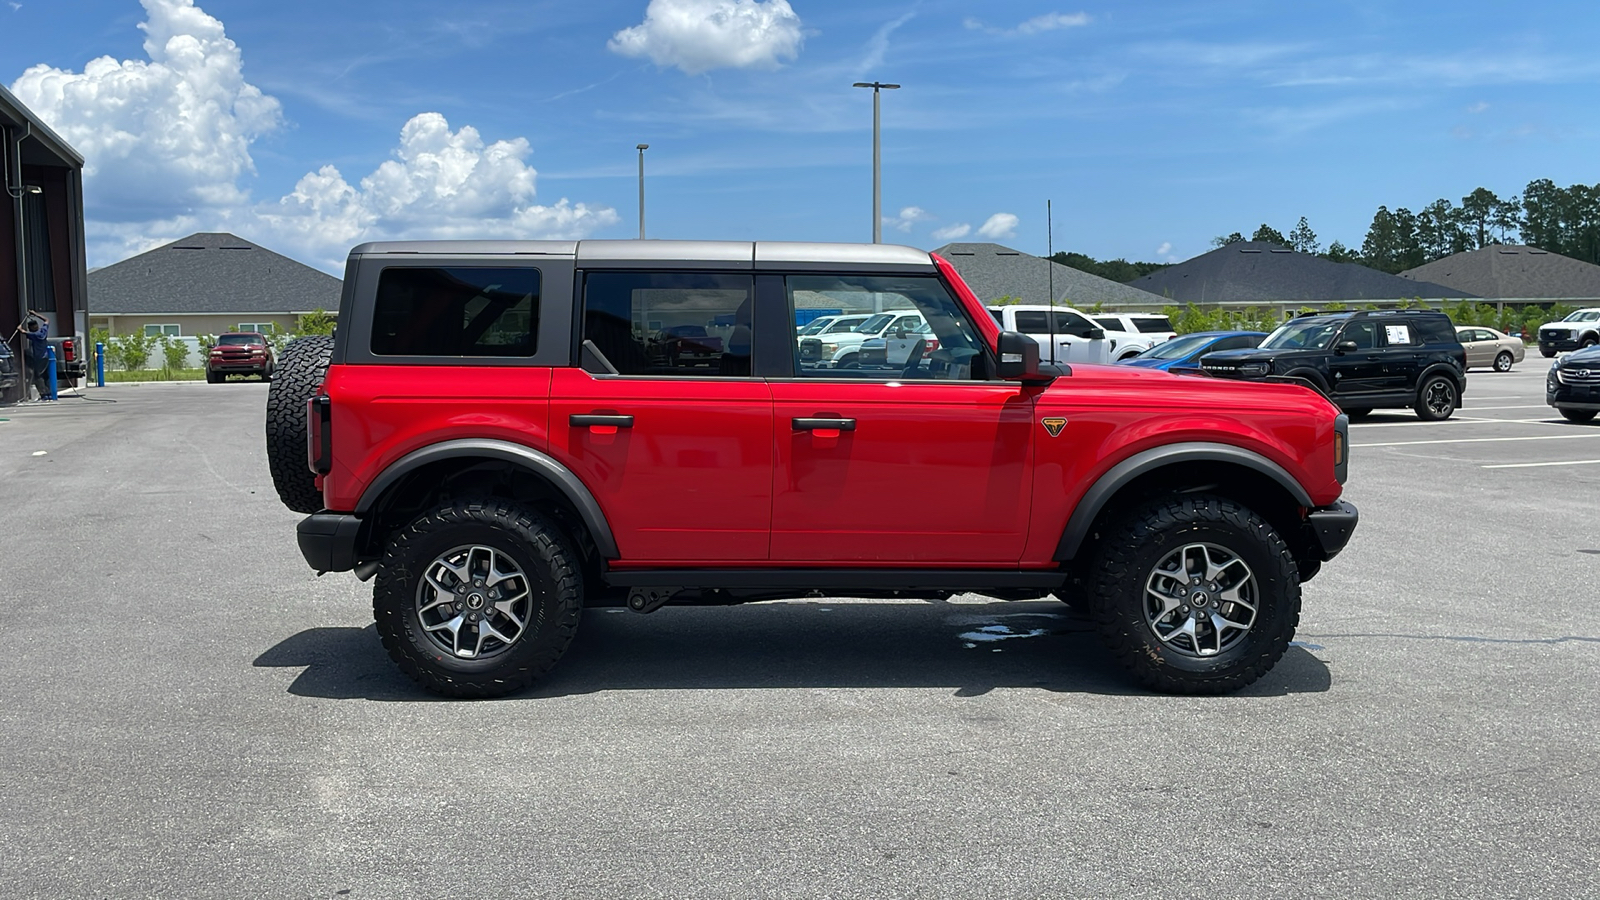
{"points": [[817, 325], [1177, 348], [1584, 315], [874, 324], [848, 323], [233, 339], [1304, 334]]}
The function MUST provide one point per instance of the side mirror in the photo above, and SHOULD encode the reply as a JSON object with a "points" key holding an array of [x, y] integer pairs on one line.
{"points": [[1019, 356], [1096, 334], [1345, 347]]}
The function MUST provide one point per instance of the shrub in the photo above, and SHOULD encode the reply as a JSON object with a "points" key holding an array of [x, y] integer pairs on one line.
{"points": [[130, 351]]}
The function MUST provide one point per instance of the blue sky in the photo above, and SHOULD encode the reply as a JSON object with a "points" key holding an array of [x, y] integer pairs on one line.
{"points": [[1153, 126]]}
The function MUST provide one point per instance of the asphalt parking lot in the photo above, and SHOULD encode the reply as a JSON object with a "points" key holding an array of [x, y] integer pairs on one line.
{"points": [[190, 712]]}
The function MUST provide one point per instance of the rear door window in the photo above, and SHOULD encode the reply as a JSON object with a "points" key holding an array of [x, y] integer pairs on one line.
{"points": [[456, 311], [693, 324]]}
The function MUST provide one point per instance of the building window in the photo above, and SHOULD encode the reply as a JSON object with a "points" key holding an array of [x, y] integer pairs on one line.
{"points": [[262, 327], [157, 330]]}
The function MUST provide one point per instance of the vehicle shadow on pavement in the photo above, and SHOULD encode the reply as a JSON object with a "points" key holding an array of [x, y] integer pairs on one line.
{"points": [[970, 649]]}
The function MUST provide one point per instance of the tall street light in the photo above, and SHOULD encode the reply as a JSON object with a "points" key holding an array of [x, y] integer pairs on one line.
{"points": [[877, 158], [642, 148]]}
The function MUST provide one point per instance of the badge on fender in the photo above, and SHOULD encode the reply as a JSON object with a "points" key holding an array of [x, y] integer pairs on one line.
{"points": [[1053, 425]]}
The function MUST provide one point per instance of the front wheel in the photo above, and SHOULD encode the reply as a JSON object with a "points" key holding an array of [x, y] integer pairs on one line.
{"points": [[1580, 416], [1436, 399], [1547, 353], [1198, 595], [1357, 413], [477, 598], [1502, 363]]}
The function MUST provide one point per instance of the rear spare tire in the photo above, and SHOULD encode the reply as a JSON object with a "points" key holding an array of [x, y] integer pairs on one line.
{"points": [[299, 373]]}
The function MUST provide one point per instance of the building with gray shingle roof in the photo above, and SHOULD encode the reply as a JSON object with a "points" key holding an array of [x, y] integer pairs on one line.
{"points": [[208, 283], [994, 271], [1262, 273], [1515, 272]]}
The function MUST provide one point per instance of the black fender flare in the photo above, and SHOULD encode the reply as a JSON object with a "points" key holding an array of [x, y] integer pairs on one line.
{"points": [[1440, 368], [527, 458], [1123, 473]]}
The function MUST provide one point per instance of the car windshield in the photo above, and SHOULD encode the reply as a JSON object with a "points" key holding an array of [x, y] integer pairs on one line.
{"points": [[1584, 315], [875, 324], [842, 325], [1179, 347], [1305, 334], [817, 325], [237, 339]]}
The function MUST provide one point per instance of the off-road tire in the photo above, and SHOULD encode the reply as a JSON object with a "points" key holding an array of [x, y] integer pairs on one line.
{"points": [[1430, 405], [1503, 361], [535, 544], [1580, 416], [1547, 354], [299, 373], [1126, 558]]}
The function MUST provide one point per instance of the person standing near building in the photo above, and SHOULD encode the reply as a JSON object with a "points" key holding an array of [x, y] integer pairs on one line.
{"points": [[37, 350]]}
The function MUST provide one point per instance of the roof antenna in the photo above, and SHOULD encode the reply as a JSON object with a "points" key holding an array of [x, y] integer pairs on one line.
{"points": [[1050, 250]]}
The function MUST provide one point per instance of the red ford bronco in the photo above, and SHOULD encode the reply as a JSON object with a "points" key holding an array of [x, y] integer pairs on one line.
{"points": [[495, 435]]}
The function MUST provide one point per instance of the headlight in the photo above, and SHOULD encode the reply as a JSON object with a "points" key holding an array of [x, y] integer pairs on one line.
{"points": [[830, 348], [1254, 369]]}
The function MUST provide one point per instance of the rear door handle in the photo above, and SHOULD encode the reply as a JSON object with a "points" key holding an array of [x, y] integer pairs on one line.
{"points": [[577, 421], [823, 424]]}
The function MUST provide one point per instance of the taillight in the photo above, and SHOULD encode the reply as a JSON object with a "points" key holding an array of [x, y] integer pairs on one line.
{"points": [[930, 344], [319, 434], [67, 350]]}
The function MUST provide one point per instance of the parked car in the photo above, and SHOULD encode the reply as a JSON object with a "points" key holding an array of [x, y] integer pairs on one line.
{"points": [[240, 353], [1077, 338], [820, 324], [1182, 354], [1573, 385], [1392, 358], [1487, 347], [899, 349], [1131, 334], [495, 490], [688, 344], [1579, 330], [834, 349]]}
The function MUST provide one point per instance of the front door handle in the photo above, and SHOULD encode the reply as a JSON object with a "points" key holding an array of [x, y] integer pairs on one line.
{"points": [[823, 424], [578, 421]]}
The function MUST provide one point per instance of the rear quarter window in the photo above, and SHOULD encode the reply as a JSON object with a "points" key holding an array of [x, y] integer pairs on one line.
{"points": [[1435, 329], [456, 311], [1153, 326]]}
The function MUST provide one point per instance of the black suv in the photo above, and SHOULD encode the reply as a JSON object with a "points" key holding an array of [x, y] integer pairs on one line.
{"points": [[1361, 360], [1573, 385]]}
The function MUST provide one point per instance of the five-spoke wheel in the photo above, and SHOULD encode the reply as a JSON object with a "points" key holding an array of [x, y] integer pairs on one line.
{"points": [[1200, 599]]}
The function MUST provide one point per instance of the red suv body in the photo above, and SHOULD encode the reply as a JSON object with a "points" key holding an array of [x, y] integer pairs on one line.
{"points": [[470, 377]]}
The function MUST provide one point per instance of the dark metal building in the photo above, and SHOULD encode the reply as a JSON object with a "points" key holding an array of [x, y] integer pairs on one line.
{"points": [[41, 226]]}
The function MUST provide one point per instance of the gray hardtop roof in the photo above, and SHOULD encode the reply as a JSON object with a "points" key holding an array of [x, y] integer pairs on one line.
{"points": [[740, 254]]}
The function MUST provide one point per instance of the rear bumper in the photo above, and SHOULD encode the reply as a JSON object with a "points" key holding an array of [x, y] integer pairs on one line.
{"points": [[1331, 527], [328, 541]]}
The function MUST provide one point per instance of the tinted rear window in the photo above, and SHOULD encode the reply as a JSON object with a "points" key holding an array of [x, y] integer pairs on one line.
{"points": [[456, 312], [1435, 329], [1156, 325]]}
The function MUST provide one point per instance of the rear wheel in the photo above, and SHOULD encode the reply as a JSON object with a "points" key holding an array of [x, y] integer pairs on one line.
{"points": [[300, 372], [478, 598], [1198, 595], [1502, 362], [1580, 416], [1436, 399]]}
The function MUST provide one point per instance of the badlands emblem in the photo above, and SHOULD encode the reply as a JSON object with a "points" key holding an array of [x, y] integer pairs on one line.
{"points": [[1053, 425]]}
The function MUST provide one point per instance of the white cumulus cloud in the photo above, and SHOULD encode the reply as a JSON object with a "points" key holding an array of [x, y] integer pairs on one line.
{"points": [[908, 217], [998, 226], [699, 35], [952, 232], [440, 184], [164, 134]]}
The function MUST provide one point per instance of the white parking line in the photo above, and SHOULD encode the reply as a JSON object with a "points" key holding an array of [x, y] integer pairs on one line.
{"points": [[1574, 462], [1482, 408], [1541, 437], [1463, 420]]}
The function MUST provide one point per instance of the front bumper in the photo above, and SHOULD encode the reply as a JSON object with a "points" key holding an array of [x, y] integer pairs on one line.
{"points": [[1331, 527], [1558, 345], [328, 541]]}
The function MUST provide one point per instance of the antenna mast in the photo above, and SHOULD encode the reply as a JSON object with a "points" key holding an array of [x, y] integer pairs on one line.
{"points": [[1050, 250]]}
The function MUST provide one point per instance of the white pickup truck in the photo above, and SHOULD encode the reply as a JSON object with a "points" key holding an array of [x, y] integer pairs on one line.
{"points": [[1077, 339], [1131, 334]]}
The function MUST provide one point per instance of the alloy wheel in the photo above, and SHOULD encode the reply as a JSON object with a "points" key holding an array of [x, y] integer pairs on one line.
{"points": [[474, 602], [1201, 600]]}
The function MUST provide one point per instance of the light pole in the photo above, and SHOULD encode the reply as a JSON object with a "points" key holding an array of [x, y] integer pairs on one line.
{"points": [[877, 158], [642, 148]]}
